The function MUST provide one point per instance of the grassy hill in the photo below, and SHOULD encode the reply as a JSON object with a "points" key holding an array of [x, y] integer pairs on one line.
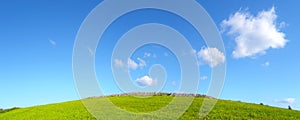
{"points": [[223, 110]]}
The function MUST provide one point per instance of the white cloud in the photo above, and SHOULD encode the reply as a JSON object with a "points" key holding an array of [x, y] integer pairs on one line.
{"points": [[193, 51], [203, 78], [286, 101], [142, 63], [254, 34], [173, 83], [147, 54], [146, 81], [119, 63], [52, 42], [211, 56], [91, 52], [282, 25], [131, 64], [266, 64]]}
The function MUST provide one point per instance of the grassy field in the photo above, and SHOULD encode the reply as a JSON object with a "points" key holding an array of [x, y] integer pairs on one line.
{"points": [[223, 110]]}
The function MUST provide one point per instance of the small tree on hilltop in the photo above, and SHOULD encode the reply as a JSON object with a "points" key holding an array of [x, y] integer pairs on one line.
{"points": [[261, 103], [289, 107]]}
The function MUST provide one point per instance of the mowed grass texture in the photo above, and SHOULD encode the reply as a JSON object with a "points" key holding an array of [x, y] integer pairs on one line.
{"points": [[223, 110]]}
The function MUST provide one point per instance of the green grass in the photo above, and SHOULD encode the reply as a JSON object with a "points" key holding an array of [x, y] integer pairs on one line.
{"points": [[223, 110]]}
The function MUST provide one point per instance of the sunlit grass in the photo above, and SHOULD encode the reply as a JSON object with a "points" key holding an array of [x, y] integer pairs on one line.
{"points": [[223, 110]]}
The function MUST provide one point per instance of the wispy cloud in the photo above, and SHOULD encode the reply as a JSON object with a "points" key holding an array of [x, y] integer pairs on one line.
{"points": [[119, 63], [146, 81], [254, 34], [266, 64], [130, 64], [91, 52], [147, 54], [193, 51], [142, 63], [286, 101], [174, 83], [52, 42], [203, 78], [211, 56]]}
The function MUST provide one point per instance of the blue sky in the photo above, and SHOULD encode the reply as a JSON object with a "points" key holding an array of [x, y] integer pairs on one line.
{"points": [[37, 39]]}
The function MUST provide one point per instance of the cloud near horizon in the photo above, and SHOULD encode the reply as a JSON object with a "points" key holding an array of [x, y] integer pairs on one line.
{"points": [[173, 83], [286, 101], [254, 35]]}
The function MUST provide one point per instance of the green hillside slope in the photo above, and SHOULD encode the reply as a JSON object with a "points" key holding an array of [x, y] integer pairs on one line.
{"points": [[223, 110]]}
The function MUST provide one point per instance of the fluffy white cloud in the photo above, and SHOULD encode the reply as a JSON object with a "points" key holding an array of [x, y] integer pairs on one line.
{"points": [[286, 101], [146, 81], [131, 64], [254, 34], [211, 56]]}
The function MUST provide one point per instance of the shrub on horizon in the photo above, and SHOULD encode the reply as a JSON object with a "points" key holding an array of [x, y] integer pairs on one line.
{"points": [[289, 107], [261, 104]]}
